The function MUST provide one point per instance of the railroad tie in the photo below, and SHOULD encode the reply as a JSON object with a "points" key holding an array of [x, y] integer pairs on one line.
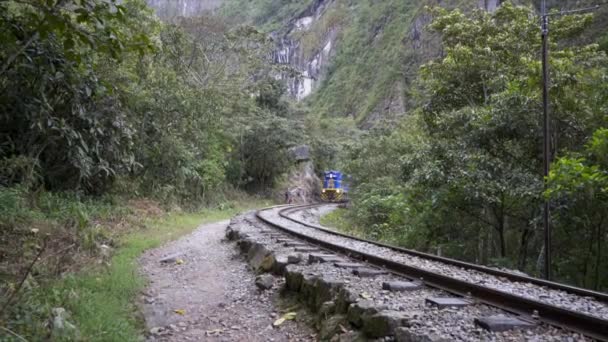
{"points": [[498, 323]]}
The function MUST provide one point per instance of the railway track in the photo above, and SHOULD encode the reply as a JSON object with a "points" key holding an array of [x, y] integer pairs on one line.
{"points": [[532, 299]]}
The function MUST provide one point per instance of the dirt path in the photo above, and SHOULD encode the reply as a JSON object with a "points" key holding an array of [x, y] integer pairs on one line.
{"points": [[216, 291]]}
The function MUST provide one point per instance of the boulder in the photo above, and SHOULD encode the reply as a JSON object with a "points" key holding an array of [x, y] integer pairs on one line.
{"points": [[359, 311], [280, 262], [245, 243], [332, 326], [294, 258], [327, 309], [384, 323], [232, 233], [309, 289], [350, 336], [264, 282], [260, 258], [293, 279], [344, 299], [326, 289]]}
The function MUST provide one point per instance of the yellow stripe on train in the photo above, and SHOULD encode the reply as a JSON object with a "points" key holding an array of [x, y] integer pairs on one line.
{"points": [[331, 195]]}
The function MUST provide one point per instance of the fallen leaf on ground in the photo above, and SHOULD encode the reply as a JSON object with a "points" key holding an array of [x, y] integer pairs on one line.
{"points": [[214, 332], [290, 316], [278, 322], [180, 311], [179, 261], [365, 295]]}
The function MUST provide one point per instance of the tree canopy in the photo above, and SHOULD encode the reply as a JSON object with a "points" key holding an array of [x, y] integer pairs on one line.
{"points": [[468, 181]]}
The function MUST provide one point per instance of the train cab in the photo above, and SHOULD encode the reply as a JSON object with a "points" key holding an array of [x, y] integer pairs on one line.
{"points": [[333, 189]]}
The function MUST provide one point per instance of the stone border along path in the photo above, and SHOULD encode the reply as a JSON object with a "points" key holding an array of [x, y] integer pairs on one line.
{"points": [[585, 305], [374, 305]]}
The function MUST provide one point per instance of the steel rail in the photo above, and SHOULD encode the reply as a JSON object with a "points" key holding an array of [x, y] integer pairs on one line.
{"points": [[603, 297], [584, 324]]}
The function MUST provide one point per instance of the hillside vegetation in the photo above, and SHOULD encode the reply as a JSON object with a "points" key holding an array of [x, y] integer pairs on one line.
{"points": [[452, 163], [461, 176], [105, 112], [110, 118]]}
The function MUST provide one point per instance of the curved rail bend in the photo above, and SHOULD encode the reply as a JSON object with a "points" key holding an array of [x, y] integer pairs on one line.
{"points": [[587, 325]]}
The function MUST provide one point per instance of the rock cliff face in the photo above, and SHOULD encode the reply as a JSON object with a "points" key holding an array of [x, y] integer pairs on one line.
{"points": [[354, 59], [310, 63], [489, 5], [363, 65], [168, 9]]}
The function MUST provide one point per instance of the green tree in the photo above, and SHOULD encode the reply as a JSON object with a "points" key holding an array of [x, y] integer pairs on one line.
{"points": [[54, 108], [579, 188], [471, 167], [480, 116]]}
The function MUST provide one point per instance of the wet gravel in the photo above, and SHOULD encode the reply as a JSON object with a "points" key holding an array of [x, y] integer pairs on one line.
{"points": [[589, 306]]}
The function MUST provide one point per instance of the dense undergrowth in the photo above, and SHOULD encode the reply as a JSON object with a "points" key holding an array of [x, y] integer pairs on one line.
{"points": [[462, 175], [84, 258], [108, 117], [458, 170]]}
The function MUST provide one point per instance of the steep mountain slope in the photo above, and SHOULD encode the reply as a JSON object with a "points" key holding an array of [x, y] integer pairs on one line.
{"points": [[354, 59], [358, 59], [169, 9]]}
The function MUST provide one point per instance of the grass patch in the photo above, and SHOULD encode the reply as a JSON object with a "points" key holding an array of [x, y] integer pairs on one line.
{"points": [[101, 300], [338, 219]]}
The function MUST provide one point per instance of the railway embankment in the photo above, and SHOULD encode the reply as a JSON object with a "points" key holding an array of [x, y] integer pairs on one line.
{"points": [[352, 300]]}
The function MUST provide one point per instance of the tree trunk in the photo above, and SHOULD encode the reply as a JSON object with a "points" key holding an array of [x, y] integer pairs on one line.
{"points": [[503, 246], [523, 248], [540, 259], [598, 260], [500, 228]]}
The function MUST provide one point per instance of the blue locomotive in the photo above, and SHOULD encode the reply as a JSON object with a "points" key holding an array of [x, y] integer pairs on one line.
{"points": [[333, 188]]}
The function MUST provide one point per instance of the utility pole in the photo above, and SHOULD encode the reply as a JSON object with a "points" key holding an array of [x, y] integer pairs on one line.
{"points": [[547, 156], [546, 135]]}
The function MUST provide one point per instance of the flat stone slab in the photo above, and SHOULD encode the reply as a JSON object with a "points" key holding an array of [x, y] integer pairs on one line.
{"points": [[447, 302], [400, 286], [295, 244], [306, 249], [384, 323], [264, 282], [348, 265], [312, 258], [365, 272], [503, 323], [294, 258]]}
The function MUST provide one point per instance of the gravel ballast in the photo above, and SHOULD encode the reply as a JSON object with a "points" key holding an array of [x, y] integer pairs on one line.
{"points": [[589, 306], [367, 307]]}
